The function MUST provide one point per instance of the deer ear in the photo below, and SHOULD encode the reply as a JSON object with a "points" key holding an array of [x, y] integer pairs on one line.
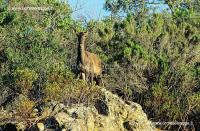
{"points": [[77, 34], [86, 33], [75, 31]]}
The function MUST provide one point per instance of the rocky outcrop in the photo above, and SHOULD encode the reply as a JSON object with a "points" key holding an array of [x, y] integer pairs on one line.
{"points": [[109, 114], [6, 95]]}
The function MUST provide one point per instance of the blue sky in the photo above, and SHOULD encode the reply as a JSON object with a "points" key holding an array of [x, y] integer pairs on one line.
{"points": [[92, 9]]}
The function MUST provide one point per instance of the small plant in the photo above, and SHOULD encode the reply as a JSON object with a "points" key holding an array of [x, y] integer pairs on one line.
{"points": [[53, 91], [24, 107], [73, 92], [24, 79]]}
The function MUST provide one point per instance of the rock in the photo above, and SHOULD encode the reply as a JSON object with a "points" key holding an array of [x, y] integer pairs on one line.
{"points": [[109, 114], [35, 110], [8, 127], [52, 124], [40, 126], [101, 107], [6, 95], [20, 126], [58, 107]]}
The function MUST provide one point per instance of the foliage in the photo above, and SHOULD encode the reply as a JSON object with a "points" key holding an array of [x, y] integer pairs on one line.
{"points": [[24, 79], [71, 91], [157, 57], [149, 57], [24, 107]]}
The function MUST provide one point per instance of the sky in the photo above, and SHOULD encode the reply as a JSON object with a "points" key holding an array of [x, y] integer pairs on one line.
{"points": [[91, 9]]}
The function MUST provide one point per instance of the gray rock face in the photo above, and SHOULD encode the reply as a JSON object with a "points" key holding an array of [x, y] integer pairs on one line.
{"points": [[5, 95], [110, 114]]}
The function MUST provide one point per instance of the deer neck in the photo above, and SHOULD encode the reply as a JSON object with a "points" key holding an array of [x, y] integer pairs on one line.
{"points": [[81, 51]]}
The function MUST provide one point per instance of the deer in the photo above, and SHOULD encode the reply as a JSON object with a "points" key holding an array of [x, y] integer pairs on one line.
{"points": [[89, 64]]}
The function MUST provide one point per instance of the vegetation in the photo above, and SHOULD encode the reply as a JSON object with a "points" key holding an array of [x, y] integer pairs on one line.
{"points": [[152, 58]]}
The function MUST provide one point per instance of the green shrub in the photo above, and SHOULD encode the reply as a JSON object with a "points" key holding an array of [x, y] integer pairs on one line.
{"points": [[24, 79], [71, 91], [23, 107]]}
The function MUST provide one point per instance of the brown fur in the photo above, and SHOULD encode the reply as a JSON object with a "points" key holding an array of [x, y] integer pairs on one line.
{"points": [[89, 63], [93, 62]]}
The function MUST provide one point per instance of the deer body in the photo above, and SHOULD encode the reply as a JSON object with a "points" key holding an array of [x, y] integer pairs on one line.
{"points": [[88, 63]]}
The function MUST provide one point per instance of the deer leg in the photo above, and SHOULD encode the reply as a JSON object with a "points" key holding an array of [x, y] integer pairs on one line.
{"points": [[78, 75], [87, 77], [83, 76], [99, 80], [92, 78]]}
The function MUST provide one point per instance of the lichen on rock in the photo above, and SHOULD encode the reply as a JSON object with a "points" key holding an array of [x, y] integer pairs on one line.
{"points": [[109, 114], [118, 115]]}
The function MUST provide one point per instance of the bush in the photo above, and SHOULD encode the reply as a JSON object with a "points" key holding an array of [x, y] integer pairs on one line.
{"points": [[158, 64], [151, 58], [24, 79], [23, 107], [71, 92]]}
